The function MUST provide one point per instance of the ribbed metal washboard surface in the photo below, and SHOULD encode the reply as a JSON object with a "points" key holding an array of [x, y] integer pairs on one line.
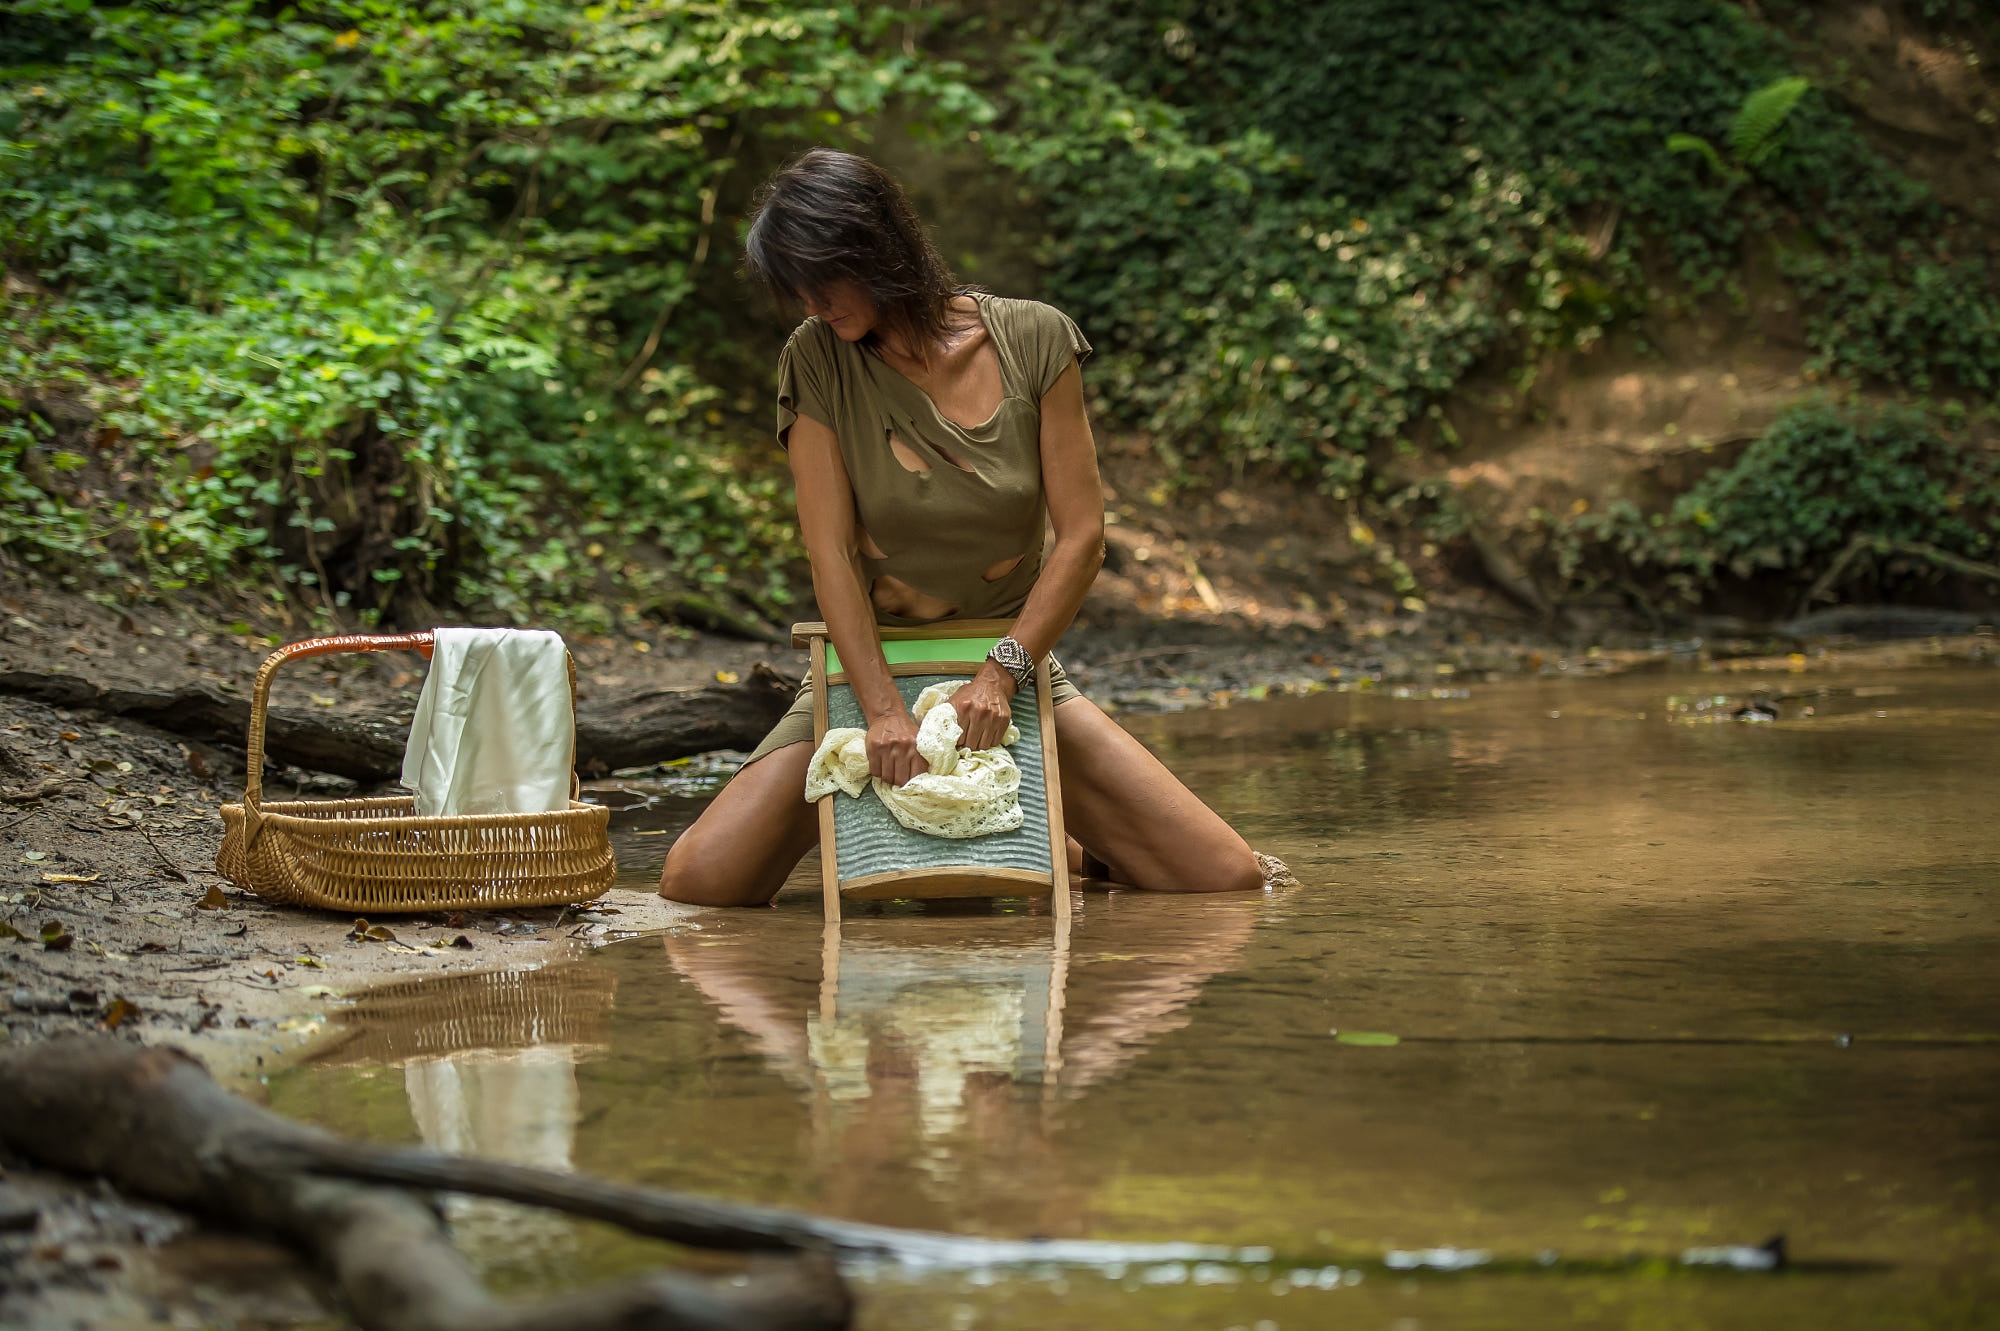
{"points": [[871, 841]]}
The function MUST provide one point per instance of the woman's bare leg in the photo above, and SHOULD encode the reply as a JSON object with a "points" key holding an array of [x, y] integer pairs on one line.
{"points": [[1118, 799], [749, 838], [1131, 812]]}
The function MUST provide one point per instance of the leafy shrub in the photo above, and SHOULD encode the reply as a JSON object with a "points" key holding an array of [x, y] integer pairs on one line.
{"points": [[396, 304], [1821, 476], [1824, 474], [1295, 229]]}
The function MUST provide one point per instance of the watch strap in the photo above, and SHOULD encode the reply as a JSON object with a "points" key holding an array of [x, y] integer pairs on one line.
{"points": [[1013, 658]]}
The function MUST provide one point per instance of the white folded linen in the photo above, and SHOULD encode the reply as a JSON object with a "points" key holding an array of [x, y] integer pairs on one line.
{"points": [[494, 730]]}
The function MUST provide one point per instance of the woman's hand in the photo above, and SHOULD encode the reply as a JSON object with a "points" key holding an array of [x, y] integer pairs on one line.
{"points": [[985, 707], [892, 748]]}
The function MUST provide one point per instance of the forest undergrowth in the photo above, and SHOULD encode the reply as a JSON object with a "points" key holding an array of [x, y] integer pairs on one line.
{"points": [[380, 310]]}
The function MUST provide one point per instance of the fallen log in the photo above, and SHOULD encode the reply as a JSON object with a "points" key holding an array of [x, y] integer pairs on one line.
{"points": [[654, 1212], [153, 1122], [678, 1217], [638, 729], [630, 730], [364, 747]]}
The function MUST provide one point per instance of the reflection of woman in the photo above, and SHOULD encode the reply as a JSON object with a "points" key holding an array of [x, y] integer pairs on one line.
{"points": [[1131, 976], [933, 433], [918, 1052]]}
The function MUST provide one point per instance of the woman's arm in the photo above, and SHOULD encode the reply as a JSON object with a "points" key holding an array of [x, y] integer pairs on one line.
{"points": [[826, 521], [1075, 501]]}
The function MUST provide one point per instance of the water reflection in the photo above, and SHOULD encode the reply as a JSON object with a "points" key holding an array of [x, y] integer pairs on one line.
{"points": [[514, 1009], [969, 1013], [489, 1069], [1659, 984], [932, 1052], [519, 1106]]}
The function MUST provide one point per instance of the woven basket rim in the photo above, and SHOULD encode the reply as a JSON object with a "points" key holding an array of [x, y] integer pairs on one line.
{"points": [[281, 817]]}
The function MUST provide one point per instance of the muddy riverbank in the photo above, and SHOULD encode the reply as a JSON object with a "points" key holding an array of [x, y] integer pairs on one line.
{"points": [[117, 918]]}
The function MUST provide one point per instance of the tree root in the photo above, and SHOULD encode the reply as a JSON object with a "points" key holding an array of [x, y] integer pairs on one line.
{"points": [[34, 794], [1509, 574], [1822, 588], [154, 1123]]}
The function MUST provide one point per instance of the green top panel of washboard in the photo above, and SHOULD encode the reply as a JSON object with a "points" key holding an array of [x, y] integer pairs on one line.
{"points": [[902, 651]]}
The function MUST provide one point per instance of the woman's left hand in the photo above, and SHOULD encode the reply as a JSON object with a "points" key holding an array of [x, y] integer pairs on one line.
{"points": [[985, 707]]}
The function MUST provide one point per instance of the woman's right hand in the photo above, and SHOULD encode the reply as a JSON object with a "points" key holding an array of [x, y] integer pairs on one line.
{"points": [[892, 748]]}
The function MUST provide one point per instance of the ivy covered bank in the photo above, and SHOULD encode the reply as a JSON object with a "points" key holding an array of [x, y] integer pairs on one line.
{"points": [[379, 309]]}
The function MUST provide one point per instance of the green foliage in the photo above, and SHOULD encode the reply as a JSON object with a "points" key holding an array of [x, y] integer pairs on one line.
{"points": [[1294, 230], [402, 304], [1822, 475], [1755, 132], [1912, 314], [1695, 143]]}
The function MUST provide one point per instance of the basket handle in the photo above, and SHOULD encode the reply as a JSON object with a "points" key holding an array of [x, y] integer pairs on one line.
{"points": [[260, 701]]}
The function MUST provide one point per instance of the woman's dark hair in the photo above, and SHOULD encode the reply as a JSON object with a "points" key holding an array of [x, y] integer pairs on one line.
{"points": [[828, 216]]}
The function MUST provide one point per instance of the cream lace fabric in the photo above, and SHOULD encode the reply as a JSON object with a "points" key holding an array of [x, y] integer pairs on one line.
{"points": [[966, 793]]}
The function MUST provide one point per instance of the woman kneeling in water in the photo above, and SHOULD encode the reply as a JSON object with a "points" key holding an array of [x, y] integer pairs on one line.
{"points": [[930, 429]]}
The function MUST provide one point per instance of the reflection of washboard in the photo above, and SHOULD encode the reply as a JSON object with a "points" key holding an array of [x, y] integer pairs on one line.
{"points": [[866, 855]]}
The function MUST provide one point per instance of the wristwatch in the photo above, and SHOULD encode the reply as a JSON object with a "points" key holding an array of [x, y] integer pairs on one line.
{"points": [[1013, 658]]}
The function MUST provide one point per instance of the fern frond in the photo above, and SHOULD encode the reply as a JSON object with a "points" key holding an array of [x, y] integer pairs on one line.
{"points": [[1753, 134], [1694, 143]]}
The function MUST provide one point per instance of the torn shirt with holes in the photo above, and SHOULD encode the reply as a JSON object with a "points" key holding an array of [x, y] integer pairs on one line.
{"points": [[977, 506]]}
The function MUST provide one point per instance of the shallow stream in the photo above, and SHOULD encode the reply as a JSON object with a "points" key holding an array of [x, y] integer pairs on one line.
{"points": [[1658, 979]]}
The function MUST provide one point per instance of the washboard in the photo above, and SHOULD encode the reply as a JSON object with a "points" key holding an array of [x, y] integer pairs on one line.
{"points": [[866, 855]]}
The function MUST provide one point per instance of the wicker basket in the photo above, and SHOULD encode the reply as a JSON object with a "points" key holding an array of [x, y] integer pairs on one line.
{"points": [[377, 857]]}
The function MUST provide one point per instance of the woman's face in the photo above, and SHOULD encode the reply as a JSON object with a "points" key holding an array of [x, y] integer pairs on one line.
{"points": [[845, 308]]}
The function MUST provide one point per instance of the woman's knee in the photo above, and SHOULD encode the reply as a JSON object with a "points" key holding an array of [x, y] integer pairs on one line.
{"points": [[1221, 870], [1240, 872], [700, 873], [715, 863], [697, 877], [739, 850]]}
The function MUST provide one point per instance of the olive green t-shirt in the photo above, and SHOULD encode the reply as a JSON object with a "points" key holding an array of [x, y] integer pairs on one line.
{"points": [[981, 502]]}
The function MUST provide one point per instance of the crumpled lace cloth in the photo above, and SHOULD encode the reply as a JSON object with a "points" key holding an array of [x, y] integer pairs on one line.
{"points": [[966, 792]]}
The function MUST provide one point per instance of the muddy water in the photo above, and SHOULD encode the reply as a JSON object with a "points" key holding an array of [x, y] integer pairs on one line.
{"points": [[1658, 979]]}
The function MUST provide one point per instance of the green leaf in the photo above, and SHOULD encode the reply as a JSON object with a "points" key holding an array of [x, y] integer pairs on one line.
{"points": [[1366, 1039], [1694, 143], [1753, 134]]}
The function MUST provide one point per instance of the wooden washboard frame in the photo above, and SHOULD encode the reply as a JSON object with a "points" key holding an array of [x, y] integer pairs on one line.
{"points": [[918, 657]]}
